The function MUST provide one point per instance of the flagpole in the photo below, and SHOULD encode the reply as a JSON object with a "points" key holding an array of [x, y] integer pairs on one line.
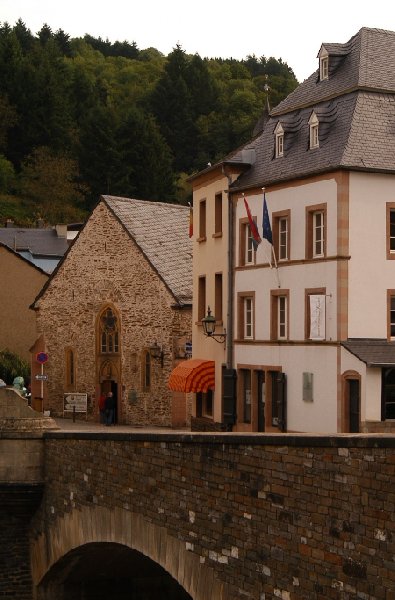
{"points": [[268, 236]]}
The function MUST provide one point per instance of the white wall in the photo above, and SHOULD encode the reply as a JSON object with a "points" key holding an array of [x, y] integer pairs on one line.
{"points": [[319, 415], [370, 273], [295, 277]]}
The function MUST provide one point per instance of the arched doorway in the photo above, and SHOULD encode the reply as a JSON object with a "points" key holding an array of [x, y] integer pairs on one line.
{"points": [[108, 356], [108, 571]]}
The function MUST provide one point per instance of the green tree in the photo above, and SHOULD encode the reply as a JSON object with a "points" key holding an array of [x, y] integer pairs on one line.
{"points": [[51, 182], [8, 118], [146, 159], [7, 175], [24, 36], [172, 106], [11, 366], [99, 158]]}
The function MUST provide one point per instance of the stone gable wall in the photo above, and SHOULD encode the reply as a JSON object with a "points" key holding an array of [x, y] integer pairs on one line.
{"points": [[105, 266]]}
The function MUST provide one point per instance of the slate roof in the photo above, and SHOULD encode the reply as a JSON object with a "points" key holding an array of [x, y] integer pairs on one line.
{"points": [[42, 247], [161, 230], [356, 112], [373, 352], [366, 61]]}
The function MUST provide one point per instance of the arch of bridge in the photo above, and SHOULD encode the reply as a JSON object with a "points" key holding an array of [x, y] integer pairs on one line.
{"points": [[100, 524]]}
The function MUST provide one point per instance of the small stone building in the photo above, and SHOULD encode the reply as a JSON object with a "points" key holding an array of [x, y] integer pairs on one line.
{"points": [[116, 314]]}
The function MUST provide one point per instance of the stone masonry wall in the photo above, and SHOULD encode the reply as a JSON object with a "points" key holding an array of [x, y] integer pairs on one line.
{"points": [[289, 517], [105, 266], [15, 578]]}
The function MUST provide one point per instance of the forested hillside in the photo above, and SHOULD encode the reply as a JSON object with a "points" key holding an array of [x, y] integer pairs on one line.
{"points": [[83, 117]]}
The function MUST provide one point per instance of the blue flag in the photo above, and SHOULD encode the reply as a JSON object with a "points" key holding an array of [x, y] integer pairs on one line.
{"points": [[266, 228]]}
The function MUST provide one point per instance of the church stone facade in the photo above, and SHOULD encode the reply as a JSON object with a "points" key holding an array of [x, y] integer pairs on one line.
{"points": [[116, 314]]}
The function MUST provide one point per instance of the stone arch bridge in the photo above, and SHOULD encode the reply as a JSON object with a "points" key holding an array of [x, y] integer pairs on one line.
{"points": [[195, 516]]}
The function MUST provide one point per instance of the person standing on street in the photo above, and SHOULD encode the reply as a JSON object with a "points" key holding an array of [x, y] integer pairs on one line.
{"points": [[109, 406], [102, 410]]}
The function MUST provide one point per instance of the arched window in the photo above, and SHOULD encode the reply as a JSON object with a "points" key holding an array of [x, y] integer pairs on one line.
{"points": [[147, 370], [109, 332], [70, 368]]}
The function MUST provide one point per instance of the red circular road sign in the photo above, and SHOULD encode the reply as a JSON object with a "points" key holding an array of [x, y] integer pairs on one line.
{"points": [[42, 357]]}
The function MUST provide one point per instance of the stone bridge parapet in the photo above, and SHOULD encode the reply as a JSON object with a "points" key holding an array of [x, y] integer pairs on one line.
{"points": [[246, 516]]}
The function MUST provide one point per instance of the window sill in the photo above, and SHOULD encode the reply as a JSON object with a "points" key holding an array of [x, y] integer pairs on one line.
{"points": [[218, 234], [201, 239]]}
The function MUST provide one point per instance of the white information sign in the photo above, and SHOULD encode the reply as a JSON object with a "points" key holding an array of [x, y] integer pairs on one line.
{"points": [[317, 317], [75, 402]]}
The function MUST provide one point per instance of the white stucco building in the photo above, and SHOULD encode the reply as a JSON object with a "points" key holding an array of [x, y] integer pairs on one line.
{"points": [[310, 342]]}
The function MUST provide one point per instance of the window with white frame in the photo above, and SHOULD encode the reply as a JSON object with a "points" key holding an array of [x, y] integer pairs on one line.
{"points": [[248, 245], [313, 123], [282, 318], [324, 67], [279, 314], [318, 233], [248, 317], [283, 238], [316, 230], [281, 234], [279, 139], [247, 253]]}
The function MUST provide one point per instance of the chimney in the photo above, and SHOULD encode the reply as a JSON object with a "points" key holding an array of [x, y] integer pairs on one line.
{"points": [[9, 223], [61, 231]]}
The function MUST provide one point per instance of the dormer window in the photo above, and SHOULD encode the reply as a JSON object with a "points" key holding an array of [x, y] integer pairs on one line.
{"points": [[279, 140], [324, 63], [314, 139]]}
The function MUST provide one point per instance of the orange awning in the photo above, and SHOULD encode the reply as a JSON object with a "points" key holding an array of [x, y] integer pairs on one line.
{"points": [[194, 375]]}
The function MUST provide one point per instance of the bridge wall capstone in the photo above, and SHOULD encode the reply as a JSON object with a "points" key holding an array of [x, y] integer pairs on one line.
{"points": [[257, 516]]}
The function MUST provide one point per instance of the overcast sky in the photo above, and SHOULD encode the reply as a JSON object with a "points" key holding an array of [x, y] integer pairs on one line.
{"points": [[291, 30]]}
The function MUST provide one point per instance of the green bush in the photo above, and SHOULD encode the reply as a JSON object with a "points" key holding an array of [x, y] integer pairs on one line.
{"points": [[11, 366]]}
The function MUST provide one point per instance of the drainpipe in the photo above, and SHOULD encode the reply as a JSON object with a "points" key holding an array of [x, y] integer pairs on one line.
{"points": [[229, 316]]}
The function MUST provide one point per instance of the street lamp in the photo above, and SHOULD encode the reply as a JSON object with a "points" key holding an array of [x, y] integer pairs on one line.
{"points": [[208, 324], [157, 353]]}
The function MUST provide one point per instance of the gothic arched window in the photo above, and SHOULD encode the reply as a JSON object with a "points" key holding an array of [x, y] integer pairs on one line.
{"points": [[109, 332]]}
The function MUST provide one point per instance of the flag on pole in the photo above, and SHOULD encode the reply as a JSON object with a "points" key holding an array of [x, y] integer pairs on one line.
{"points": [[190, 221], [266, 228], [256, 238]]}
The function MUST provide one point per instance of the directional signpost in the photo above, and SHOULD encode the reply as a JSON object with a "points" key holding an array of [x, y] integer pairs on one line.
{"points": [[42, 358]]}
